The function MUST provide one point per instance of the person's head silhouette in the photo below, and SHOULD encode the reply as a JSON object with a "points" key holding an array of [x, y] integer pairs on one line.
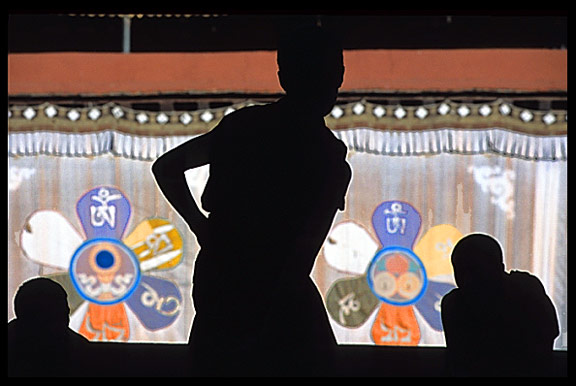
{"points": [[477, 261], [311, 68], [43, 303]]}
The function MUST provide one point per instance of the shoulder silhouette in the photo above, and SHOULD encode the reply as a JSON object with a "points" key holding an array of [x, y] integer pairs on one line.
{"points": [[277, 178], [496, 323], [39, 339]]}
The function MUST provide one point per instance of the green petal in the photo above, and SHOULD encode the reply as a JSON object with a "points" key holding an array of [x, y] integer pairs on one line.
{"points": [[350, 301]]}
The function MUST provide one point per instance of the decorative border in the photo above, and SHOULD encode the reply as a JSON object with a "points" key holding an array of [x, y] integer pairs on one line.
{"points": [[447, 114], [447, 127]]}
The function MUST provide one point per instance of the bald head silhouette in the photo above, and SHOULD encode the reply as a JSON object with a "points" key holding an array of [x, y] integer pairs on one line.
{"points": [[495, 322], [42, 302], [477, 259], [40, 343]]}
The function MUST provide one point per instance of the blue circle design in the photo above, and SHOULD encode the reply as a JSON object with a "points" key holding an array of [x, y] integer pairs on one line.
{"points": [[105, 260], [414, 257]]}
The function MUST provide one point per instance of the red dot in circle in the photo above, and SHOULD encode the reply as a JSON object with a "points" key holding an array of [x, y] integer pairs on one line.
{"points": [[397, 264]]}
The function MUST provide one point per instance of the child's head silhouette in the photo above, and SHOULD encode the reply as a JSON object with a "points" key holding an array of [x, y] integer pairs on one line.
{"points": [[311, 68]]}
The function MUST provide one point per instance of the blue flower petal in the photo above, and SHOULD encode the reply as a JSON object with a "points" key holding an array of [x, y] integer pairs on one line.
{"points": [[103, 212], [156, 302], [429, 304], [396, 223]]}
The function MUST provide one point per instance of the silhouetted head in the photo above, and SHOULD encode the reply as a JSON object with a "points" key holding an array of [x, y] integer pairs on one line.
{"points": [[42, 302], [477, 261], [311, 68]]}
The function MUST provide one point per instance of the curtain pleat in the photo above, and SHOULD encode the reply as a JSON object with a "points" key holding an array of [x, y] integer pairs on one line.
{"points": [[396, 143]]}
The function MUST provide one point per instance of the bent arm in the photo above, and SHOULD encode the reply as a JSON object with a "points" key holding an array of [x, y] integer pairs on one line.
{"points": [[168, 170]]}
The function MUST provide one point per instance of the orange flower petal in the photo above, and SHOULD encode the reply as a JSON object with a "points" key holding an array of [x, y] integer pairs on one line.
{"points": [[395, 326], [105, 323]]}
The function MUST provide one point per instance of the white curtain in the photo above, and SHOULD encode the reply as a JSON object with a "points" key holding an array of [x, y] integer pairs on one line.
{"points": [[509, 184]]}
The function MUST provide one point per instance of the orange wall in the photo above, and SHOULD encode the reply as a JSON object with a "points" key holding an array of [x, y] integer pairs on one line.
{"points": [[375, 70]]}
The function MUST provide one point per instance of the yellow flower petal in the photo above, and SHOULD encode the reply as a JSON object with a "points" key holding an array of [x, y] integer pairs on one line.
{"points": [[435, 248], [156, 243]]}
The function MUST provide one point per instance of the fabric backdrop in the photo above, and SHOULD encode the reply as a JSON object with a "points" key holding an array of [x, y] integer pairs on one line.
{"points": [[418, 185]]}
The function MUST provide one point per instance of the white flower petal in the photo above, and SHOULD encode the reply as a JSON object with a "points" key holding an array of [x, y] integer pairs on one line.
{"points": [[49, 239], [349, 248]]}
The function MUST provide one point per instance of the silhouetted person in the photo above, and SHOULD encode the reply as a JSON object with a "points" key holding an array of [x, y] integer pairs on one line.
{"points": [[496, 323], [277, 178], [40, 343]]}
